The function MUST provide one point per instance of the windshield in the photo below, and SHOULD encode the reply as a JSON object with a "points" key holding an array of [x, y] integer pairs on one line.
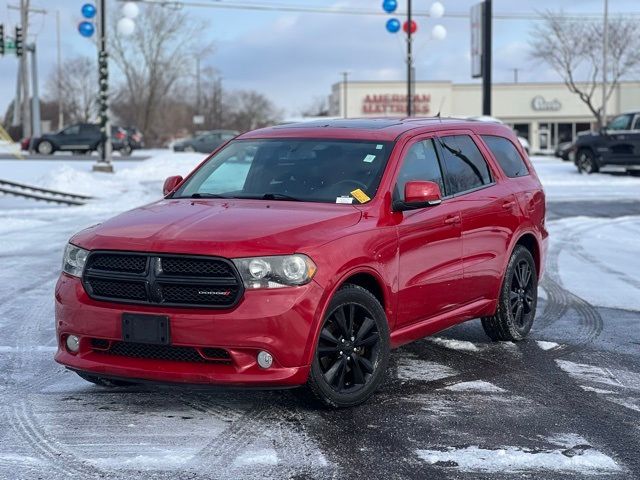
{"points": [[327, 171]]}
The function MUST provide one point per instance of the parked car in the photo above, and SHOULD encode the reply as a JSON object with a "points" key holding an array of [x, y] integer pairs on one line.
{"points": [[486, 118], [302, 254], [617, 144], [563, 150], [135, 137], [205, 142], [81, 138]]}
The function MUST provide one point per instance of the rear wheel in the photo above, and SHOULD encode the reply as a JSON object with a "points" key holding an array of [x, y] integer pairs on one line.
{"points": [[104, 382], [126, 150], [518, 299], [352, 353], [586, 162], [45, 147]]}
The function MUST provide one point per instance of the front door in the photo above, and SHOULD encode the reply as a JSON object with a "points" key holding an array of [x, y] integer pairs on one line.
{"points": [[619, 141], [430, 244]]}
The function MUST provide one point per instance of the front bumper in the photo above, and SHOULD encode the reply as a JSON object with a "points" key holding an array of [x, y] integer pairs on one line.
{"points": [[280, 321]]}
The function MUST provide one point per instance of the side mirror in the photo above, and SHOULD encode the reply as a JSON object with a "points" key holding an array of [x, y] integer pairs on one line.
{"points": [[419, 194], [170, 184]]}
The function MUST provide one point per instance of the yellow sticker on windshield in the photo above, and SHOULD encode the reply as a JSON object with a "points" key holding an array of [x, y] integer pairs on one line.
{"points": [[360, 196]]}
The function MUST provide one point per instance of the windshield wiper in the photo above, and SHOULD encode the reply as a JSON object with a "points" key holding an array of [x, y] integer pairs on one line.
{"points": [[280, 196], [208, 195]]}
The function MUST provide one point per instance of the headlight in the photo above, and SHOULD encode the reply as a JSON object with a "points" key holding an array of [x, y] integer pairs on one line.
{"points": [[276, 272], [74, 260]]}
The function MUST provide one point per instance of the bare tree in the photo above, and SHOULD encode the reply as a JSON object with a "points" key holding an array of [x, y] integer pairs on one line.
{"points": [[248, 110], [78, 89], [574, 50], [319, 107], [160, 52]]}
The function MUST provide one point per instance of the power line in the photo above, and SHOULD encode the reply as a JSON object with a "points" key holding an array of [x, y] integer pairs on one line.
{"points": [[278, 7]]}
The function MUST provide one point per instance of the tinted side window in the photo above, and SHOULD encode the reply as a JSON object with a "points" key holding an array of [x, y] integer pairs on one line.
{"points": [[73, 130], [465, 167], [507, 156], [636, 123], [420, 163], [622, 122]]}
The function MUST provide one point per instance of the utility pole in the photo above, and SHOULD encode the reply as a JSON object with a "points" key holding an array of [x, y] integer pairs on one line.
{"points": [[24, 71], [104, 162], [345, 86], [486, 57], [605, 47], [60, 112], [198, 94], [35, 101], [515, 74], [409, 59]]}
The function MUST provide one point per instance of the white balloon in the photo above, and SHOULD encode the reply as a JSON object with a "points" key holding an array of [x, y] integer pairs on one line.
{"points": [[437, 10], [439, 32], [130, 10], [126, 26]]}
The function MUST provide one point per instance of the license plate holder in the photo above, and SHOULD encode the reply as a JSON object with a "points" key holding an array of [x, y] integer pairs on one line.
{"points": [[142, 328]]}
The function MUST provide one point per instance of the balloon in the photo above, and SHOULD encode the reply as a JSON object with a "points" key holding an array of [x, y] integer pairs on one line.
{"points": [[393, 25], [390, 6], [130, 10], [126, 26], [86, 29], [439, 32], [88, 10], [414, 27], [436, 10]]}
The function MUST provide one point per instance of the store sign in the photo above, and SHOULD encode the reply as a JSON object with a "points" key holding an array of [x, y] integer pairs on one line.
{"points": [[539, 104], [389, 104]]}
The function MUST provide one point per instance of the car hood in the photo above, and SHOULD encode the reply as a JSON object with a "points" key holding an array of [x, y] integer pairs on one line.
{"points": [[228, 228]]}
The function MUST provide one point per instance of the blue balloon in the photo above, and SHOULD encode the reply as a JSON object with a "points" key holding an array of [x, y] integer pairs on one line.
{"points": [[393, 25], [389, 6], [86, 29], [88, 10]]}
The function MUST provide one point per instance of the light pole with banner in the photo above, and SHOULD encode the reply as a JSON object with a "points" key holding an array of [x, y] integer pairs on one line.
{"points": [[481, 45]]}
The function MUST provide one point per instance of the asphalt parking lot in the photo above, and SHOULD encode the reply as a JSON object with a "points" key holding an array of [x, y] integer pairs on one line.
{"points": [[565, 404]]}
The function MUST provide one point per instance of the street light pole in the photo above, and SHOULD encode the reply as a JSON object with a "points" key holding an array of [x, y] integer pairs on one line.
{"points": [[104, 162], [605, 47], [345, 85], [59, 55], [409, 60]]}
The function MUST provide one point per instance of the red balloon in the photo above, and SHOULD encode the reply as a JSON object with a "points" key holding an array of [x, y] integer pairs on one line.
{"points": [[414, 27]]}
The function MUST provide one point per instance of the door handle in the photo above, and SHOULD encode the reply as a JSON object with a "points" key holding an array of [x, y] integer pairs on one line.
{"points": [[452, 220], [507, 205]]}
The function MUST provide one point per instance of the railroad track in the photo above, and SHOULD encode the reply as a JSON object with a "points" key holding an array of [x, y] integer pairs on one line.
{"points": [[42, 194]]}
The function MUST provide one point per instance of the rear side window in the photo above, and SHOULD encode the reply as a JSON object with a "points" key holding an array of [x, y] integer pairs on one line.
{"points": [[507, 156], [465, 167]]}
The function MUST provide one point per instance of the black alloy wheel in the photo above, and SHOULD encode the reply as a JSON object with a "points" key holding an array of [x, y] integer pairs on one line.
{"points": [[353, 349], [517, 301]]}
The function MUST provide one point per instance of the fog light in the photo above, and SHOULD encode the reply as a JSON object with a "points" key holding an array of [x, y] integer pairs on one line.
{"points": [[264, 359], [73, 343]]}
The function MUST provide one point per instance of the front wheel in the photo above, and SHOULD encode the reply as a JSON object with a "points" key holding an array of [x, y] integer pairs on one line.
{"points": [[45, 147], [586, 162], [518, 299], [352, 353]]}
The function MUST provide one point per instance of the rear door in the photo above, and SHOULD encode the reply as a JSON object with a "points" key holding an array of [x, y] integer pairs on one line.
{"points": [[430, 246], [69, 138], [488, 211], [619, 141]]}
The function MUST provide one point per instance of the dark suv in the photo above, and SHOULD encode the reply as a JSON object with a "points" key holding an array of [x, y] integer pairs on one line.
{"points": [[617, 144], [82, 138]]}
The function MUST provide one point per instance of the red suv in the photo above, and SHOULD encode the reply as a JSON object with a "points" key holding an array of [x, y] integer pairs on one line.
{"points": [[301, 254]]}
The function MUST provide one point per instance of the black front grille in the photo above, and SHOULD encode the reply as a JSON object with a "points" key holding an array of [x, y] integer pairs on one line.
{"points": [[171, 280], [166, 352]]}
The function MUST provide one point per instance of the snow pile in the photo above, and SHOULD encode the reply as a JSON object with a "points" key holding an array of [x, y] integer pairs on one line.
{"points": [[454, 344], [594, 253], [575, 457], [410, 367], [475, 386]]}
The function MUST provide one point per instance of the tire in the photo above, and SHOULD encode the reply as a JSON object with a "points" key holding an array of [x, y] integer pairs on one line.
{"points": [[104, 382], [517, 301], [45, 147], [126, 150], [586, 162], [346, 372]]}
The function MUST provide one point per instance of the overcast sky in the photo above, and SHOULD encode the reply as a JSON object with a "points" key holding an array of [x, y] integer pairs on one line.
{"points": [[294, 57]]}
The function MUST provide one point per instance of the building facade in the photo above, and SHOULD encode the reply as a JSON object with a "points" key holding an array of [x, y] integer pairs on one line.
{"points": [[545, 113]]}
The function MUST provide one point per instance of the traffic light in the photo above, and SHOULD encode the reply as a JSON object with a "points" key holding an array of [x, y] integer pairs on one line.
{"points": [[1, 40], [18, 40]]}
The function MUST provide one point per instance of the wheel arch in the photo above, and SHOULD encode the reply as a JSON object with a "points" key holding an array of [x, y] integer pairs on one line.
{"points": [[530, 242]]}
